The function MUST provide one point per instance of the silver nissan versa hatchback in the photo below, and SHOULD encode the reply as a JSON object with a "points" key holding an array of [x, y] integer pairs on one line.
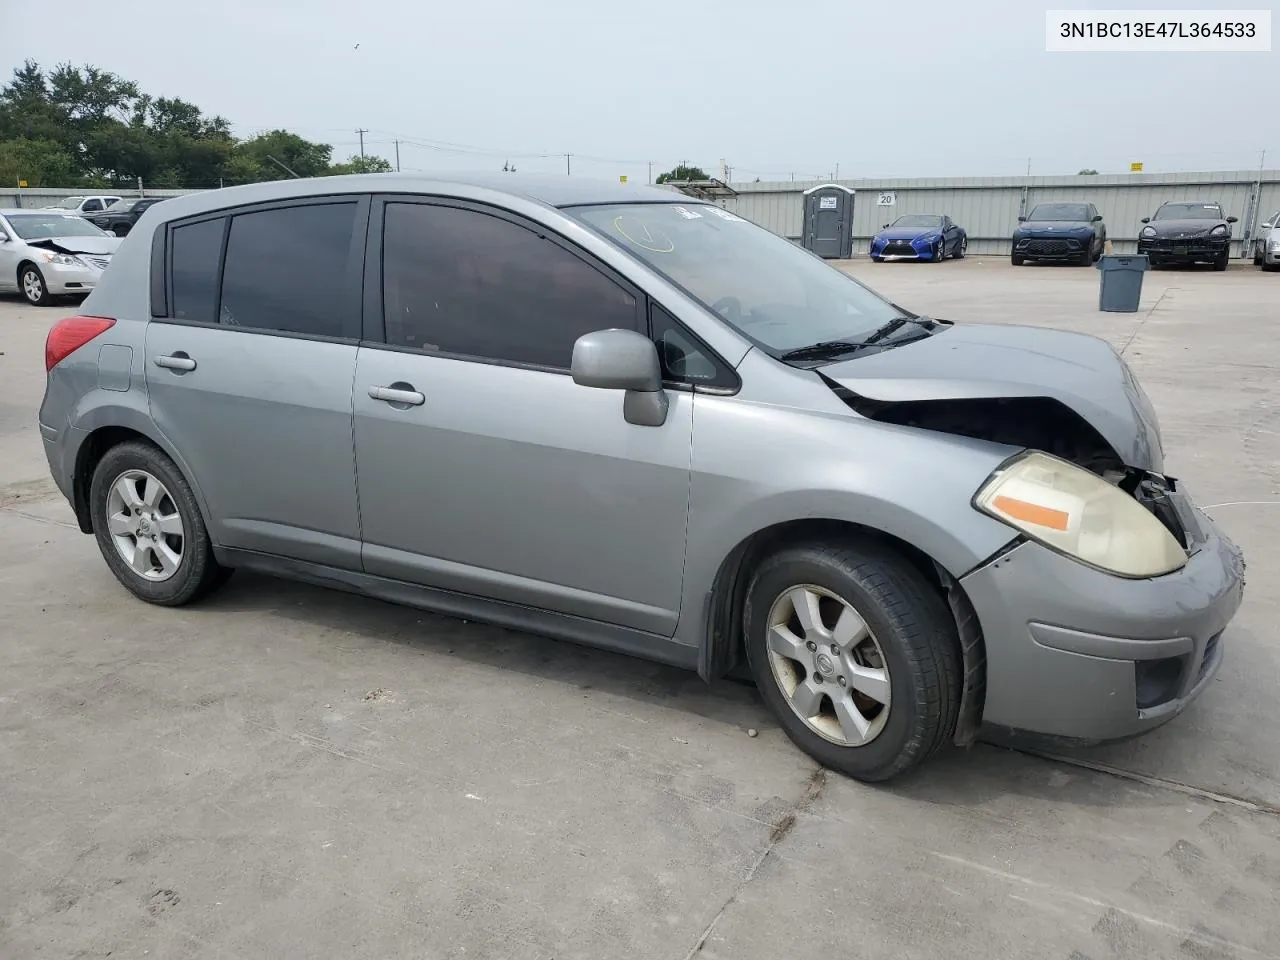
{"points": [[626, 418]]}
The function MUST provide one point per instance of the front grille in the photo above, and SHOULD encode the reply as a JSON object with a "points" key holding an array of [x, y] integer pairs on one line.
{"points": [[898, 248], [1051, 247], [1210, 651], [100, 262]]}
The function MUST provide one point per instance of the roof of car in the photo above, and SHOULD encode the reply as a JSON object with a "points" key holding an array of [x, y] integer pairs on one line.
{"points": [[555, 191]]}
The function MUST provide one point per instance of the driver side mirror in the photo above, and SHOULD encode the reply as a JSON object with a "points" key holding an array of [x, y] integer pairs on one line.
{"points": [[1232, 219], [623, 360], [1146, 219], [884, 226], [1097, 218], [1022, 219]]}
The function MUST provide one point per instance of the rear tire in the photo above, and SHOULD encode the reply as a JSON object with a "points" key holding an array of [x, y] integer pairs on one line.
{"points": [[879, 691], [32, 284], [149, 528]]}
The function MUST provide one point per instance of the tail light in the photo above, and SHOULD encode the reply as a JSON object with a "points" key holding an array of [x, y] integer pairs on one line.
{"points": [[69, 335]]}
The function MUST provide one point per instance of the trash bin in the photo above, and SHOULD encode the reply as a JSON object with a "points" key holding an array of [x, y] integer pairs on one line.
{"points": [[1122, 282]]}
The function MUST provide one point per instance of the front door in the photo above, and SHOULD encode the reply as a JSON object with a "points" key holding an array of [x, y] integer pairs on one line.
{"points": [[258, 403], [483, 468], [828, 224]]}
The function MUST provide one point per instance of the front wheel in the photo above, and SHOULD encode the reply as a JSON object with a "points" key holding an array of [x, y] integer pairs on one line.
{"points": [[855, 655], [149, 528], [960, 250], [1221, 262], [941, 253], [33, 286], [120, 230], [1016, 260]]}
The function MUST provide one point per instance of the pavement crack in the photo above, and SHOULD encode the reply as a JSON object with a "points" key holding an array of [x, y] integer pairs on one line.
{"points": [[1253, 806], [1147, 316], [813, 787]]}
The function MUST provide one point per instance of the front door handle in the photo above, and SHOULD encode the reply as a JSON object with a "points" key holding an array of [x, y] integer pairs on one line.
{"points": [[177, 361], [398, 393]]}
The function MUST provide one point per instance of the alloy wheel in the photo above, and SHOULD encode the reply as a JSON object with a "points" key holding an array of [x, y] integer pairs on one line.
{"points": [[829, 665], [145, 526], [32, 286]]}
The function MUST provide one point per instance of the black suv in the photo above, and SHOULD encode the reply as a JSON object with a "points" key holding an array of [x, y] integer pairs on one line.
{"points": [[120, 217], [1187, 232]]}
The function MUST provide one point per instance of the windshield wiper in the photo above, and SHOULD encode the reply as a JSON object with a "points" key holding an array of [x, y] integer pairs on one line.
{"points": [[834, 348]]}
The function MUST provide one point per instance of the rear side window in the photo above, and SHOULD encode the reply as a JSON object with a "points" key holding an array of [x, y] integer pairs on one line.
{"points": [[286, 269], [464, 282], [195, 250]]}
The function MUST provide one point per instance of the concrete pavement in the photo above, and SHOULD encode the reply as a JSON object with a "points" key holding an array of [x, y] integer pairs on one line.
{"points": [[289, 772]]}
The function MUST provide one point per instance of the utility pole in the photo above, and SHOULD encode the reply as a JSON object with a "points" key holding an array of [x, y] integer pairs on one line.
{"points": [[140, 193], [1028, 166], [651, 171], [361, 134], [282, 167], [567, 171], [837, 176], [397, 156]]}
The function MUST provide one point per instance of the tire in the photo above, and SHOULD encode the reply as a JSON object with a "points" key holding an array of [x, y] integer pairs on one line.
{"points": [[119, 230], [877, 259], [1257, 256], [1221, 263], [942, 251], [1016, 260], [137, 466], [909, 632], [960, 250], [33, 287]]}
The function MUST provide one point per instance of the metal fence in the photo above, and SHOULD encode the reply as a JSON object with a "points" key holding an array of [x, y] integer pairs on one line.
{"points": [[988, 207], [33, 199]]}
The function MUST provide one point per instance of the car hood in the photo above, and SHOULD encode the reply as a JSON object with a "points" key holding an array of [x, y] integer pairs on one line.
{"points": [[1054, 226], [97, 245], [1183, 228], [998, 361], [907, 233]]}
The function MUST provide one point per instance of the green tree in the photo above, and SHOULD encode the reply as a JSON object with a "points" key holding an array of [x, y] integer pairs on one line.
{"points": [[42, 163], [683, 171], [267, 151], [369, 164]]}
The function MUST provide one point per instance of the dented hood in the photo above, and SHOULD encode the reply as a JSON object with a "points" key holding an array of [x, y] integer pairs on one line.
{"points": [[974, 361], [96, 245]]}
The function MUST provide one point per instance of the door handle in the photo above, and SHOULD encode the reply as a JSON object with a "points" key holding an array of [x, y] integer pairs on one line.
{"points": [[404, 393], [177, 361]]}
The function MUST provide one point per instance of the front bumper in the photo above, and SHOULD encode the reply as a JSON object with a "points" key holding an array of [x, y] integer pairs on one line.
{"points": [[1184, 251], [61, 279], [905, 250], [1078, 656], [1050, 248]]}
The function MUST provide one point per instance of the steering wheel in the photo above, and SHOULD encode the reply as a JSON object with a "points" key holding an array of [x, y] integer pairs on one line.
{"points": [[730, 308]]}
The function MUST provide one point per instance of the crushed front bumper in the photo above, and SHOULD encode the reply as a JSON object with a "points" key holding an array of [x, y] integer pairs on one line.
{"points": [[1075, 655], [62, 279]]}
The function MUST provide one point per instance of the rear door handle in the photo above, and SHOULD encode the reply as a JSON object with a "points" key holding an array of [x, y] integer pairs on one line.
{"points": [[177, 361], [404, 393]]}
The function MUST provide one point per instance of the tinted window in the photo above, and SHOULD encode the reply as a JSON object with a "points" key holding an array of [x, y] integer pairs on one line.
{"points": [[92, 205], [1189, 211], [463, 282], [1061, 211], [286, 269], [195, 250], [684, 358]]}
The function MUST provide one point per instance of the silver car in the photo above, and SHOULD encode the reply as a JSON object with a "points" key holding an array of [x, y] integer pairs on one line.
{"points": [[625, 418], [45, 254], [1266, 247]]}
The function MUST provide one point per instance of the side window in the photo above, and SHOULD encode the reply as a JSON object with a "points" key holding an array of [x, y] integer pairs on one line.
{"points": [[90, 206], [194, 252], [463, 282], [684, 358], [286, 269]]}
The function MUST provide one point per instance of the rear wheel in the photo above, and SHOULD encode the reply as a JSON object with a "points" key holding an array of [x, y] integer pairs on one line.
{"points": [[856, 656], [149, 528], [34, 289]]}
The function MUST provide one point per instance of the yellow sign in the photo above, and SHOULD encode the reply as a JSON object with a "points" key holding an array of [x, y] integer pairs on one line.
{"points": [[1135, 167], [623, 178], [22, 183]]}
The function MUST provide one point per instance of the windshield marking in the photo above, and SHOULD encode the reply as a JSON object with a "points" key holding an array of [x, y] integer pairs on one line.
{"points": [[649, 241]]}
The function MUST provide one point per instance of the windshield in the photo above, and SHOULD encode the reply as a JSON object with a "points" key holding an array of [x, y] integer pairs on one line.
{"points": [[917, 220], [120, 206], [1188, 211], [1060, 211], [769, 289], [43, 226]]}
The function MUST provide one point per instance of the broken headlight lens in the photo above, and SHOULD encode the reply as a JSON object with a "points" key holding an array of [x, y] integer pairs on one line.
{"points": [[1076, 512], [63, 259]]}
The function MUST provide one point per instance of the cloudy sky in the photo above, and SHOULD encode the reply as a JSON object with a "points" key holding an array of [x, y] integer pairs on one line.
{"points": [[926, 88]]}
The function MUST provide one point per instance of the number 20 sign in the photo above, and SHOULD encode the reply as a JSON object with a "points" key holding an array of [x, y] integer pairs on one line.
{"points": [[886, 199]]}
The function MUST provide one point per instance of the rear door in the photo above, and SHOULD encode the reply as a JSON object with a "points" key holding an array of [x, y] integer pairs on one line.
{"points": [[249, 372], [483, 467]]}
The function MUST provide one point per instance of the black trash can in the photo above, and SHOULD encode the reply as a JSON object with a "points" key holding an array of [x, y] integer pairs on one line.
{"points": [[1122, 282]]}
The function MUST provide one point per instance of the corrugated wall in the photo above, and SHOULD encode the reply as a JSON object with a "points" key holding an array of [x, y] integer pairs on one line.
{"points": [[988, 207]]}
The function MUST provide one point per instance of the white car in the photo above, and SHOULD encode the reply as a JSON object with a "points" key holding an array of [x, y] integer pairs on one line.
{"points": [[90, 204], [1266, 246], [46, 254]]}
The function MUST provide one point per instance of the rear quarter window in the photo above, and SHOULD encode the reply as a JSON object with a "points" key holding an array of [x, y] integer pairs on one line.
{"points": [[195, 250]]}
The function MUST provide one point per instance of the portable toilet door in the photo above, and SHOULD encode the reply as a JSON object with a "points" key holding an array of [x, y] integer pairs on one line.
{"points": [[828, 221]]}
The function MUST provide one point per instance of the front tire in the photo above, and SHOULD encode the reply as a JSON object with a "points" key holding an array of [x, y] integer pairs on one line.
{"points": [[1016, 260], [120, 230], [149, 528], [1221, 262], [32, 284], [855, 655], [960, 250]]}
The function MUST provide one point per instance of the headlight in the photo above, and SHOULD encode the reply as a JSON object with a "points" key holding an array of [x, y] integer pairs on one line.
{"points": [[1076, 512], [1275, 244], [1219, 231], [931, 238], [1148, 232], [63, 259]]}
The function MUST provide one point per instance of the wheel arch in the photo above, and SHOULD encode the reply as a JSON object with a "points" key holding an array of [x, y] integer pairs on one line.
{"points": [[114, 427], [723, 644]]}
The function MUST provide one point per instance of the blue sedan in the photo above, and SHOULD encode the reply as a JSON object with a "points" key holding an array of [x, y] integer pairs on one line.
{"points": [[919, 236]]}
